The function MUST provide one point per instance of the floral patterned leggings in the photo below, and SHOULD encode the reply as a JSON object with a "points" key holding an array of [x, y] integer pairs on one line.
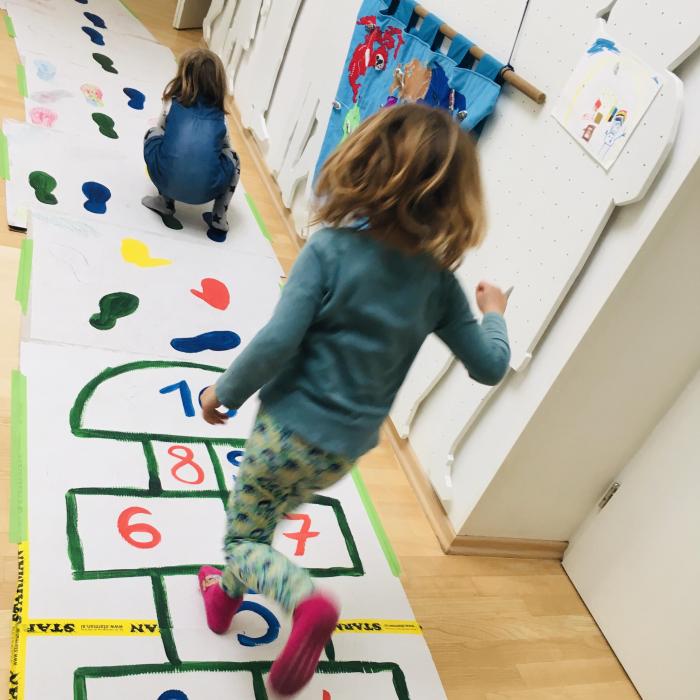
{"points": [[280, 471]]}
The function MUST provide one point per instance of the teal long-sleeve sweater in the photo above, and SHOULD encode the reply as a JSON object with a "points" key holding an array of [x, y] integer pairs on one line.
{"points": [[349, 323]]}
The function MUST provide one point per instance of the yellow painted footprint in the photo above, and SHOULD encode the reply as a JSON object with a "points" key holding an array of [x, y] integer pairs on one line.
{"points": [[136, 252]]}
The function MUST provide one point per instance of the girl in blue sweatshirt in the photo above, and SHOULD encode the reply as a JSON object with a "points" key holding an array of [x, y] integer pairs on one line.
{"points": [[358, 305], [188, 154]]}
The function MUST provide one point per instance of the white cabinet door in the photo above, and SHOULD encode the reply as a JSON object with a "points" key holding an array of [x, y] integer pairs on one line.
{"points": [[636, 562]]}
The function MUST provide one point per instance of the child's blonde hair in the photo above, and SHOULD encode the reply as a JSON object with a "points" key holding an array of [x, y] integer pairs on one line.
{"points": [[412, 174], [200, 75]]}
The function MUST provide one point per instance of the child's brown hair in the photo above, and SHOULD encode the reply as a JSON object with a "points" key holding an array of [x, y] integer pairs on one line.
{"points": [[200, 75], [412, 174]]}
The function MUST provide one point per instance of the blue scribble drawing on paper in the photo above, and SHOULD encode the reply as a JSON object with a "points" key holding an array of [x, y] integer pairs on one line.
{"points": [[44, 69], [213, 340], [97, 197], [95, 36], [603, 45], [136, 98], [95, 19]]}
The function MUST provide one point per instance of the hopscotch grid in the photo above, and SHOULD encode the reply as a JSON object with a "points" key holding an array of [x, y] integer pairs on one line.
{"points": [[77, 556], [257, 669]]}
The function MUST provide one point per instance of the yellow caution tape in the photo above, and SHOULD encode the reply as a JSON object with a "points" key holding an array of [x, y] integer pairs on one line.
{"points": [[92, 628], [379, 627]]}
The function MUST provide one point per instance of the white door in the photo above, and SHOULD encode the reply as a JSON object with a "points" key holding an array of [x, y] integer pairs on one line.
{"points": [[190, 14], [636, 562]]}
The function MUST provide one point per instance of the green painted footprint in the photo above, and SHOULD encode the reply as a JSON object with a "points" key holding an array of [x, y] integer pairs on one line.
{"points": [[43, 185], [106, 62], [113, 307], [106, 125]]}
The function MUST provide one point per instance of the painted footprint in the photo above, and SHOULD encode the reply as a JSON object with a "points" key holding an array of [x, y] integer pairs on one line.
{"points": [[213, 340], [137, 253], [50, 96], [43, 185], [105, 124], [96, 20], [95, 36], [106, 62], [44, 70], [97, 197], [113, 307], [136, 98], [173, 695]]}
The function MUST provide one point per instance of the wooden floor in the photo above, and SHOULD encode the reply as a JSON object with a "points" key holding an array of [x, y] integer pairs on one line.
{"points": [[499, 629]]}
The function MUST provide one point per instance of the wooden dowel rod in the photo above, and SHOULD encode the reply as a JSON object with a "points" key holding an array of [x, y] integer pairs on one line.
{"points": [[509, 76]]}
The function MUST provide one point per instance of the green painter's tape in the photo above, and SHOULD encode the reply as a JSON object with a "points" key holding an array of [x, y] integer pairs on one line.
{"points": [[258, 218], [21, 80], [379, 530], [4, 158], [10, 27], [18, 459], [24, 274]]}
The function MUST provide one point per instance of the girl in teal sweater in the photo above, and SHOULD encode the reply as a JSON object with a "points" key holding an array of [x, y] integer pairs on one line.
{"points": [[360, 301]]}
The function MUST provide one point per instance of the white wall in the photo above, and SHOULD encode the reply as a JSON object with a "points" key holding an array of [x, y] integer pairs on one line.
{"points": [[632, 363], [510, 412], [636, 565]]}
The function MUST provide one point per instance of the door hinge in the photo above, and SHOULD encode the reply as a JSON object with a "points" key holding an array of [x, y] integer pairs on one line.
{"points": [[612, 490]]}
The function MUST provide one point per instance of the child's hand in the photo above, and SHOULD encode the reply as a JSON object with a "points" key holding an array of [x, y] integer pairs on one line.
{"points": [[210, 404], [490, 298]]}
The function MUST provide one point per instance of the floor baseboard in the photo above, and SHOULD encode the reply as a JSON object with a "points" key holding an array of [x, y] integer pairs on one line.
{"points": [[449, 540]]}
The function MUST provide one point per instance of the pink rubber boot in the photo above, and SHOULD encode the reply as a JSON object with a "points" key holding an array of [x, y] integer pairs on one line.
{"points": [[219, 607], [315, 619]]}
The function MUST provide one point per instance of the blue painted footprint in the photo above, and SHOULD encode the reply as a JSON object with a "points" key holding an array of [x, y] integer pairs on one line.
{"points": [[136, 98], [97, 197], [213, 340], [95, 36], [95, 19], [173, 695]]}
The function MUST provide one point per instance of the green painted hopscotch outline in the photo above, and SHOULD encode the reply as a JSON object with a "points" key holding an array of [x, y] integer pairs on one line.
{"points": [[257, 669], [77, 558], [155, 490]]}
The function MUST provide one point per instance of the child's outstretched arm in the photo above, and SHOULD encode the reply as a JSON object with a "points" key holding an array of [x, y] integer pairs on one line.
{"points": [[481, 347], [276, 343]]}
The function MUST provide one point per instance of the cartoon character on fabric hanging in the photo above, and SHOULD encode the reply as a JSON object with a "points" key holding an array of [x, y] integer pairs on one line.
{"points": [[416, 82], [373, 52], [92, 94], [351, 122]]}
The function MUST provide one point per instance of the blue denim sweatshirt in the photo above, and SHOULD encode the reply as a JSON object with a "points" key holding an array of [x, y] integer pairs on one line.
{"points": [[350, 321]]}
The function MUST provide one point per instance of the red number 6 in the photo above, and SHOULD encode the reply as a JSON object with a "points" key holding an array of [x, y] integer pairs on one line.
{"points": [[127, 530]]}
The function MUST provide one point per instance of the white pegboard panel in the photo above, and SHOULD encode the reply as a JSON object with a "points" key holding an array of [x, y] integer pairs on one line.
{"points": [[218, 22], [548, 202], [241, 35], [259, 67], [298, 114], [675, 23], [211, 17]]}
